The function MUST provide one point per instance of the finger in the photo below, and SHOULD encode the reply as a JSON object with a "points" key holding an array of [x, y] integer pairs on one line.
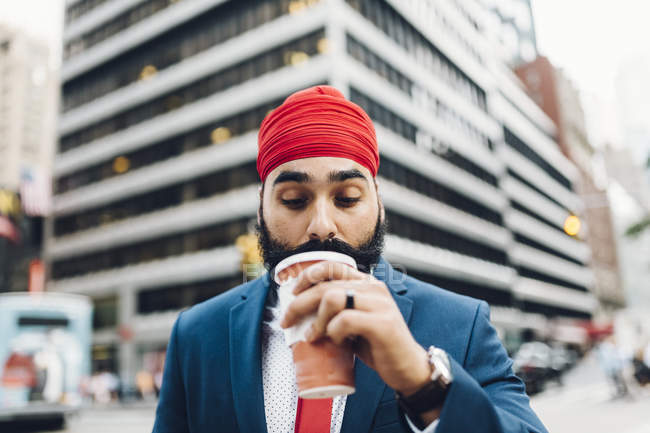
{"points": [[305, 303], [349, 324], [324, 271], [333, 302]]}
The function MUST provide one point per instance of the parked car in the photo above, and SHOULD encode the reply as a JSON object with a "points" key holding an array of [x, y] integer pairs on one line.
{"points": [[537, 363]]}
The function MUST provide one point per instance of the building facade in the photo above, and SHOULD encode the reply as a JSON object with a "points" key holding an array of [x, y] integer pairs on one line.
{"points": [[28, 99], [559, 99], [155, 172], [512, 26]]}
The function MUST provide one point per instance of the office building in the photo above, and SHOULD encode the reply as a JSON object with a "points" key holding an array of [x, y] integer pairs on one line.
{"points": [[28, 101], [155, 172], [557, 96]]}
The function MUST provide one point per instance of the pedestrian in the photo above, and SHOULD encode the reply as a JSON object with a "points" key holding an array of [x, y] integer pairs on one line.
{"points": [[426, 358], [612, 364], [145, 383], [641, 366]]}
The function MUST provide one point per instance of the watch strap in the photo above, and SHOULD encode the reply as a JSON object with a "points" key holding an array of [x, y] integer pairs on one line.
{"points": [[430, 396]]}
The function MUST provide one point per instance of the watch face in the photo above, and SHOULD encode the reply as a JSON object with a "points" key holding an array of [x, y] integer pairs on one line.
{"points": [[442, 368]]}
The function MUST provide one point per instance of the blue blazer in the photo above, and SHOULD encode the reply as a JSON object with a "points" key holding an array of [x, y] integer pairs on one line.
{"points": [[213, 381]]}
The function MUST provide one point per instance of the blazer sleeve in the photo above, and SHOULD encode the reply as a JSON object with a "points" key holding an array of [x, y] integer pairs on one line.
{"points": [[485, 394], [171, 413]]}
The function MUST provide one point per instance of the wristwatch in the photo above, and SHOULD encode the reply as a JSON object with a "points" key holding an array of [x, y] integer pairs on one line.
{"points": [[433, 394]]}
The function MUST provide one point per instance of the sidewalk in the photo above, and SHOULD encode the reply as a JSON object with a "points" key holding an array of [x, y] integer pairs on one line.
{"points": [[586, 404]]}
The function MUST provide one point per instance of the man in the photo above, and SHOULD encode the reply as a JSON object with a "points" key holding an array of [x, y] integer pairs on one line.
{"points": [[427, 359]]}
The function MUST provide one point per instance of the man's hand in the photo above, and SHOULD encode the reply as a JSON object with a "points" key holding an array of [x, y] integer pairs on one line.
{"points": [[384, 341]]}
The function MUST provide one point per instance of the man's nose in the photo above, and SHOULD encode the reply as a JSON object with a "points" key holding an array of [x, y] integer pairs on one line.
{"points": [[322, 225]]}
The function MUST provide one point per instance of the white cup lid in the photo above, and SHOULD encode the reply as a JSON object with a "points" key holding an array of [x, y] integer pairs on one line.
{"points": [[309, 256], [326, 391]]}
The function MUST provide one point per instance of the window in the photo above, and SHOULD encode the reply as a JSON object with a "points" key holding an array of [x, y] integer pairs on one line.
{"points": [[386, 19], [217, 235], [521, 147], [400, 126], [553, 311], [406, 227], [489, 294], [105, 312], [81, 8], [533, 243], [535, 275], [237, 124], [185, 295], [210, 28], [201, 187], [192, 92]]}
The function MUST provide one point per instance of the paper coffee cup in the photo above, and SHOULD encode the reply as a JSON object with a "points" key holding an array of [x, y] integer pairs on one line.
{"points": [[323, 369]]}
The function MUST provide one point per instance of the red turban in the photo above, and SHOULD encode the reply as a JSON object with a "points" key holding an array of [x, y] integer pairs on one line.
{"points": [[317, 121]]}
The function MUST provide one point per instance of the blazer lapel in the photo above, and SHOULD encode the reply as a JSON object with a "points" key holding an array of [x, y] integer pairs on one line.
{"points": [[245, 357], [362, 405]]}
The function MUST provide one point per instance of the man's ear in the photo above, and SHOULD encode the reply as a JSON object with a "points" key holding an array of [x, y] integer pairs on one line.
{"points": [[261, 193], [382, 210]]}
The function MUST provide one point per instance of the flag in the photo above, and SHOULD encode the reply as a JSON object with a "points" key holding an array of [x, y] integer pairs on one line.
{"points": [[35, 192]]}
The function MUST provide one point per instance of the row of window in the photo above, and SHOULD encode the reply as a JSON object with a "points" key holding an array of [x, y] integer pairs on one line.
{"points": [[392, 121], [530, 185], [218, 235], [422, 98], [460, 7], [151, 201], [489, 294], [523, 209], [385, 18], [526, 115], [421, 232], [534, 244], [535, 275], [159, 299], [114, 26], [365, 56], [553, 310], [244, 175], [80, 8], [521, 147], [495, 296], [184, 295], [403, 176], [208, 29], [226, 233], [211, 134], [453, 30], [207, 86]]}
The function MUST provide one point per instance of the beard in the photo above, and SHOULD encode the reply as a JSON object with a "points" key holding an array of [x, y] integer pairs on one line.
{"points": [[366, 255]]}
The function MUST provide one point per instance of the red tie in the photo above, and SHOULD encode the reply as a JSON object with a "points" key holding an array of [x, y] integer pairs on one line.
{"points": [[313, 415]]}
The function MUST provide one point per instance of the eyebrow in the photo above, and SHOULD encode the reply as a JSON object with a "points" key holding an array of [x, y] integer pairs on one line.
{"points": [[333, 176]]}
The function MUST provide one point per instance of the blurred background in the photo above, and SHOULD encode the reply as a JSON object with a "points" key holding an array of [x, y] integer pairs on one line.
{"points": [[515, 168]]}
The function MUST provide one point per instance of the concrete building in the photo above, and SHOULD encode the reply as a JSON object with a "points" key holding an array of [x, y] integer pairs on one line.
{"points": [[629, 195], [28, 104], [513, 30], [28, 101], [155, 172], [633, 103], [560, 100]]}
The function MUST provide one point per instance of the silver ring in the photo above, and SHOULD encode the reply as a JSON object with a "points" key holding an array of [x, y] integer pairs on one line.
{"points": [[349, 299]]}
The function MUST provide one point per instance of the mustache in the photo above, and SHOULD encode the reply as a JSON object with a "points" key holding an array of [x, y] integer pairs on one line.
{"points": [[336, 245], [366, 255]]}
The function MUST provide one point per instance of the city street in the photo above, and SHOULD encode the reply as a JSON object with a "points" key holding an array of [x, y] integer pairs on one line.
{"points": [[114, 419], [583, 404]]}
